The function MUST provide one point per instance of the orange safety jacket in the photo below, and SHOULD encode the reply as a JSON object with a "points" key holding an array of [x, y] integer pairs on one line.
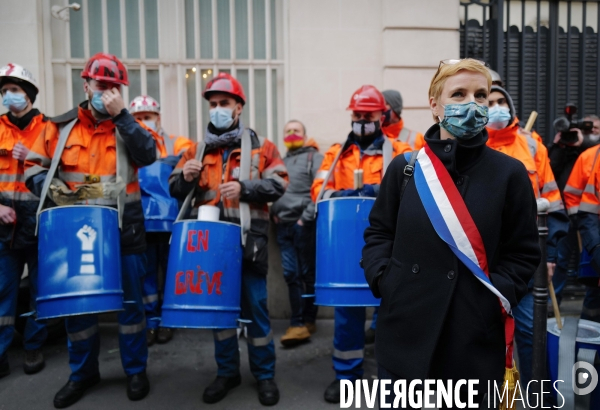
{"points": [[534, 155], [579, 177], [90, 157], [399, 132], [170, 145], [13, 192], [589, 210], [267, 183], [370, 161]]}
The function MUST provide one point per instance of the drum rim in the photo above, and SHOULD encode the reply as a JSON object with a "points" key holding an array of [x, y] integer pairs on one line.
{"points": [[79, 206], [364, 198], [586, 323], [195, 220]]}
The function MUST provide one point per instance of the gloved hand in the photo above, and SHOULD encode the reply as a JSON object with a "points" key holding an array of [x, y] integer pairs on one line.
{"points": [[343, 193], [60, 193], [368, 190]]}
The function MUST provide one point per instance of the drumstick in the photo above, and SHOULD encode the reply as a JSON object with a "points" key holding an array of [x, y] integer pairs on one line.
{"points": [[530, 121], [555, 305]]}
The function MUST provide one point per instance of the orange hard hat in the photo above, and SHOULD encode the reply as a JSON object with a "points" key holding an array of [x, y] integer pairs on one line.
{"points": [[367, 98], [105, 67], [225, 83]]}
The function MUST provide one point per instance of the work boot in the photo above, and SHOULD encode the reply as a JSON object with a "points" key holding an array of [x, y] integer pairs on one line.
{"points": [[138, 386], [4, 368], [164, 335], [268, 393], [295, 335], [332, 393], [34, 361], [312, 327], [370, 336], [218, 389], [150, 336], [73, 391]]}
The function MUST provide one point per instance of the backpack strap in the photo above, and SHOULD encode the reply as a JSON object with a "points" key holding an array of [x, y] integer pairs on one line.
{"points": [[409, 170]]}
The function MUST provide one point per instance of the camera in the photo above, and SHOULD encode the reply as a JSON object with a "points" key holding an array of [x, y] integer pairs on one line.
{"points": [[565, 124]]}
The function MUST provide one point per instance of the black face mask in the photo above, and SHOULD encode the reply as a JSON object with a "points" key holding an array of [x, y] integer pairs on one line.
{"points": [[388, 117], [364, 128]]}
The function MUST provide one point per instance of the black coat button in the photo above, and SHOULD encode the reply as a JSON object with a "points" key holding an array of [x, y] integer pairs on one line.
{"points": [[460, 181], [448, 148], [415, 268], [451, 275]]}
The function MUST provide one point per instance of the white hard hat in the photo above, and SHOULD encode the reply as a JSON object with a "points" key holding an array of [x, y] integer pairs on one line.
{"points": [[144, 103], [16, 71]]}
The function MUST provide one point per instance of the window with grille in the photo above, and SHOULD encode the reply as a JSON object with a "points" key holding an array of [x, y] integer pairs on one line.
{"points": [[171, 50]]}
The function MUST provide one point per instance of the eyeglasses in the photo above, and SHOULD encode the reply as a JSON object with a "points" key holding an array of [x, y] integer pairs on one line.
{"points": [[456, 61]]}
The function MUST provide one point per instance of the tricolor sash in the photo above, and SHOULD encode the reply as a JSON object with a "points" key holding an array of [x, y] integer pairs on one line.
{"points": [[453, 223]]}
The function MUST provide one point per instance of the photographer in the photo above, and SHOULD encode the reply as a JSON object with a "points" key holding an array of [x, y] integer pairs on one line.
{"points": [[564, 153]]}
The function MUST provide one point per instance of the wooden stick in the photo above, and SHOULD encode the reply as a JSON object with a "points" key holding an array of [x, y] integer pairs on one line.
{"points": [[555, 305], [531, 121]]}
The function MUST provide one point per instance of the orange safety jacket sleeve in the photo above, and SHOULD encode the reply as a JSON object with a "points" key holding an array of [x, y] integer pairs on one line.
{"points": [[140, 143], [349, 160], [580, 174], [270, 186], [589, 210]]}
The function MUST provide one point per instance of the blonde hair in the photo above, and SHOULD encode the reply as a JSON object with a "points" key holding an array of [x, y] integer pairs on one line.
{"points": [[448, 70]]}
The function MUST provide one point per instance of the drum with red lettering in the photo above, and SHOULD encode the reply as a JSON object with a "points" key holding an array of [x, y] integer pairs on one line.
{"points": [[204, 276]]}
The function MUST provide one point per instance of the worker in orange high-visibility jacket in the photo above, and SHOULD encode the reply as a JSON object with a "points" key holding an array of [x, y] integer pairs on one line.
{"points": [[363, 149], [586, 167], [160, 211], [504, 135], [87, 175], [589, 228], [19, 128], [215, 180], [393, 124]]}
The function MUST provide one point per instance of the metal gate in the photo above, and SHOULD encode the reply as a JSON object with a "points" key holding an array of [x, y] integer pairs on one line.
{"points": [[546, 52]]}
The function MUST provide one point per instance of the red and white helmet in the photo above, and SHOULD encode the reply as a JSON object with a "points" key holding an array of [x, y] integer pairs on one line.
{"points": [[16, 71], [144, 103]]}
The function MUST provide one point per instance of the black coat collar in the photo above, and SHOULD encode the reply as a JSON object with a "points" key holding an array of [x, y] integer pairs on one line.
{"points": [[456, 155]]}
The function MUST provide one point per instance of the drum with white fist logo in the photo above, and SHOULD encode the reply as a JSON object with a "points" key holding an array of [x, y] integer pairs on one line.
{"points": [[79, 261]]}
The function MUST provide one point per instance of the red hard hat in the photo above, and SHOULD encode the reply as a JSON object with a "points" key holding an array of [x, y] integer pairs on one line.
{"points": [[105, 67], [367, 98], [225, 83]]}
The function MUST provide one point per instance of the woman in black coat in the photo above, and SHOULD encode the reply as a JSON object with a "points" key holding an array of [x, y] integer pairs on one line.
{"points": [[437, 320]]}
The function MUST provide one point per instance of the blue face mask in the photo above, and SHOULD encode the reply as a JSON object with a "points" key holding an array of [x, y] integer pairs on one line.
{"points": [[498, 117], [15, 102], [464, 121], [97, 102], [150, 124], [221, 117]]}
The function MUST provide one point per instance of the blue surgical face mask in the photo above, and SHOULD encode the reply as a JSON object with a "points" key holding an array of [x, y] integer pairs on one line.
{"points": [[498, 117], [97, 102], [150, 124], [464, 121], [221, 117], [15, 102]]}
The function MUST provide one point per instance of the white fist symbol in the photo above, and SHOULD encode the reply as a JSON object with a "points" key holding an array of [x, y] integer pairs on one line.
{"points": [[87, 236]]}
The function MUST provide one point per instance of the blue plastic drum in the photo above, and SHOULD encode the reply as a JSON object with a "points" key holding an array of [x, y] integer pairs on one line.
{"points": [[340, 280], [587, 275], [203, 287], [79, 261], [588, 337], [160, 209]]}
